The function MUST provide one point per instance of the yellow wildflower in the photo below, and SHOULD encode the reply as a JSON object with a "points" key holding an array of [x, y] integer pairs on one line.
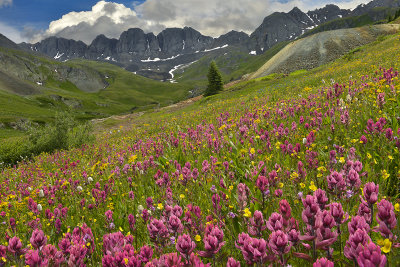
{"points": [[385, 175], [252, 151], [387, 245], [341, 160], [312, 186], [302, 185], [182, 196], [197, 238], [132, 159], [160, 206], [397, 207], [247, 213]]}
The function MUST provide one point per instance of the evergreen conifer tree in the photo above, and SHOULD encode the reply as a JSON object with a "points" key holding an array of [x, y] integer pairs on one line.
{"points": [[215, 83]]}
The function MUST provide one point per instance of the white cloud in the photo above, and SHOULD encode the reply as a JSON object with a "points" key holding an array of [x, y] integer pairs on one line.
{"points": [[5, 3], [11, 33], [210, 17]]}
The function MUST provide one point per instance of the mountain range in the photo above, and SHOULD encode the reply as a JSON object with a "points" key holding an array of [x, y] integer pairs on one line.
{"points": [[158, 56]]}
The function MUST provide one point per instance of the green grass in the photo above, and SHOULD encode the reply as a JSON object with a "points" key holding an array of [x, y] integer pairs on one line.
{"points": [[232, 66], [126, 92]]}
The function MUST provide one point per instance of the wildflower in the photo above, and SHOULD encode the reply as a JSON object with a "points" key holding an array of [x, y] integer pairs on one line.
{"points": [[213, 189], [197, 238], [356, 242], [38, 239], [323, 262], [185, 245], [252, 151], [397, 207], [336, 182], [39, 207], [385, 174], [90, 179], [262, 183], [280, 185], [108, 214], [386, 218], [175, 224], [358, 222], [32, 258], [371, 193], [157, 230], [302, 185], [15, 246], [182, 196], [254, 251], [231, 214], [79, 188], [213, 242], [363, 139], [353, 179], [232, 263], [140, 208], [160, 206], [41, 193], [279, 243], [371, 256], [387, 245], [285, 210], [310, 210], [312, 186], [247, 213], [257, 224], [321, 198]]}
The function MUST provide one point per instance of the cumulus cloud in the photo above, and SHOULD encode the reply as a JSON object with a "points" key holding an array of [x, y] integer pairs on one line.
{"points": [[5, 3], [210, 17]]}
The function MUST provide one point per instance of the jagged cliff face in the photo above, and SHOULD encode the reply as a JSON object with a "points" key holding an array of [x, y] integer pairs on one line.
{"points": [[280, 27], [156, 56]]}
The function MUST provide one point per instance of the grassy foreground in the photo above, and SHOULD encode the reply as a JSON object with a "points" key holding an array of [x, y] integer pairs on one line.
{"points": [[295, 170]]}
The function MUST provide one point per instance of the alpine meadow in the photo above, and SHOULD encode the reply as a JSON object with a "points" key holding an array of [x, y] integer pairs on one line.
{"points": [[276, 147]]}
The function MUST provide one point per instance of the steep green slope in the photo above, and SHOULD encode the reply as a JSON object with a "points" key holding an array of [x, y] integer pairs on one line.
{"points": [[33, 87], [233, 65]]}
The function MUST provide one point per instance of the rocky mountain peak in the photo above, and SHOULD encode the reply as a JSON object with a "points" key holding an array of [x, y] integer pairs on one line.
{"points": [[7, 43]]}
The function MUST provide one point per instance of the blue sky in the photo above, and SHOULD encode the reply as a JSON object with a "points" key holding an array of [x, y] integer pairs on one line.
{"points": [[39, 13], [33, 20]]}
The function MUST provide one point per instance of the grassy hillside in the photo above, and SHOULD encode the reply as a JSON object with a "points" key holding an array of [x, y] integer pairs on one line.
{"points": [[233, 65], [34, 87], [288, 171]]}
